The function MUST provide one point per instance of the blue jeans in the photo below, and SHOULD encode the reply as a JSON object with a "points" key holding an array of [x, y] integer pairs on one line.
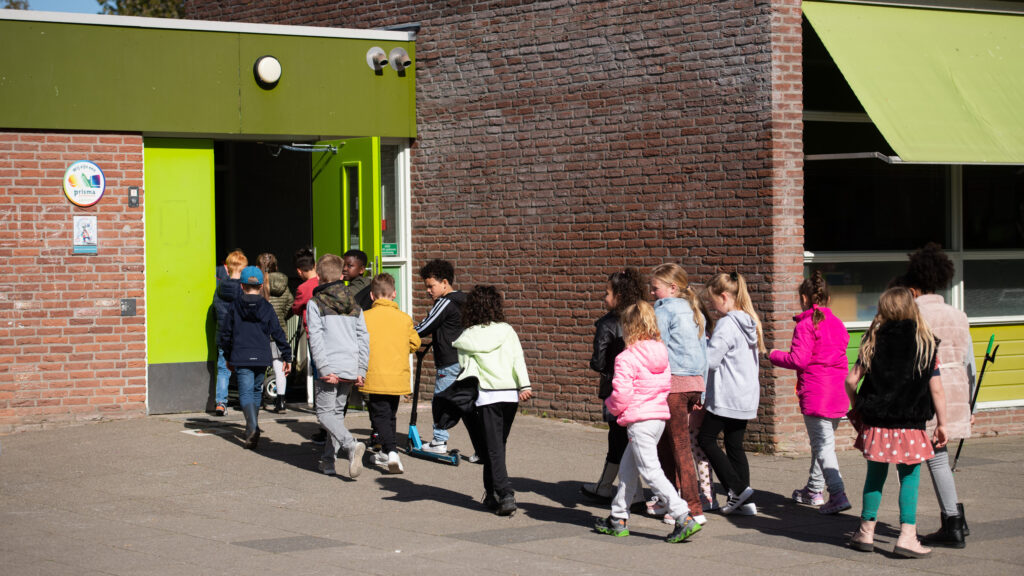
{"points": [[223, 377], [250, 384], [445, 376]]}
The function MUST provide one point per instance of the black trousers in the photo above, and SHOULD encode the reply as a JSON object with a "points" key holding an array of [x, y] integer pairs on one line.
{"points": [[489, 429], [730, 466], [618, 439], [383, 408]]}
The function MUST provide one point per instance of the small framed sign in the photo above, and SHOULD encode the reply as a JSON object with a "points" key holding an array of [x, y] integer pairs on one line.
{"points": [[85, 235], [84, 183]]}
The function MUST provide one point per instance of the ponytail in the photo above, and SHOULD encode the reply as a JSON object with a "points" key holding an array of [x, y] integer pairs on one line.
{"points": [[815, 290], [670, 274], [734, 284]]}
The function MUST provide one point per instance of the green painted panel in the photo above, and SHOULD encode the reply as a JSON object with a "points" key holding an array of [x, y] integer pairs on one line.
{"points": [[1004, 379], [343, 184], [67, 76], [180, 248], [325, 89], [64, 76], [328, 197]]}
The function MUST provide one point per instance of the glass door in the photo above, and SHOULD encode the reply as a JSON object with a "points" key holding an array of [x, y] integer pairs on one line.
{"points": [[347, 200]]}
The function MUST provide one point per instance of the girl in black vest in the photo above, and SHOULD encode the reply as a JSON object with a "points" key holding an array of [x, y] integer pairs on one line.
{"points": [[900, 393]]}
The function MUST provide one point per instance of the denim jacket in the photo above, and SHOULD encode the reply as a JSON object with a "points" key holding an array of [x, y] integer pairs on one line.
{"points": [[687, 350]]}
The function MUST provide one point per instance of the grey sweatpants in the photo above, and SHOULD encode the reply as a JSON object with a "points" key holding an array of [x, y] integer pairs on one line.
{"points": [[641, 460], [330, 411], [942, 480]]}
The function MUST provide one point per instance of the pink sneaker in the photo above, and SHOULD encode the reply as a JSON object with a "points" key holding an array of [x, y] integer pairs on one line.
{"points": [[836, 504], [805, 496]]}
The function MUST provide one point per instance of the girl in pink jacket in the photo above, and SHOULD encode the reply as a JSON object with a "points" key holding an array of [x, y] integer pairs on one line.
{"points": [[639, 402], [818, 354]]}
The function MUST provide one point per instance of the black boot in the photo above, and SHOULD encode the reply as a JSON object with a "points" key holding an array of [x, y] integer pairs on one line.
{"points": [[960, 510], [279, 404], [252, 427], [951, 535]]}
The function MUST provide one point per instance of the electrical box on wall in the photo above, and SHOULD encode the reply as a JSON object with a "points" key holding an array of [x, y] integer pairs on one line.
{"points": [[133, 197]]}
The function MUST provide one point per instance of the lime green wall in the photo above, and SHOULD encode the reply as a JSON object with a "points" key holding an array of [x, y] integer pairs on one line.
{"points": [[65, 76], [1004, 380], [180, 248], [396, 272]]}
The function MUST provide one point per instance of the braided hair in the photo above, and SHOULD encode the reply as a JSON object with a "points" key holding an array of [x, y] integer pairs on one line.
{"points": [[816, 291]]}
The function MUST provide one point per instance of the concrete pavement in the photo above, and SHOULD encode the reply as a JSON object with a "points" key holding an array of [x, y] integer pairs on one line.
{"points": [[169, 495]]}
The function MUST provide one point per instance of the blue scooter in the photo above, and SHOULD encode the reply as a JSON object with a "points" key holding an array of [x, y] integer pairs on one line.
{"points": [[415, 447]]}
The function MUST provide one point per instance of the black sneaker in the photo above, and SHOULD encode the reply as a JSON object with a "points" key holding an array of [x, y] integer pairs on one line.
{"points": [[506, 506], [490, 502]]}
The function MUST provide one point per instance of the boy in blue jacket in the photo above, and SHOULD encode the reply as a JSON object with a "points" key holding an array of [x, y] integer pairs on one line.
{"points": [[245, 338]]}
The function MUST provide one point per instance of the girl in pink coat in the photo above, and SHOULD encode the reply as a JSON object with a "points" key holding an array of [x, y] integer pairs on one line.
{"points": [[639, 401], [818, 354]]}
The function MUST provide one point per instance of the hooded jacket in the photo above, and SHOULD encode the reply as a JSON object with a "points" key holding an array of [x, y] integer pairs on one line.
{"points": [[228, 290], [360, 288], [894, 394], [280, 296], [641, 383], [733, 390], [338, 339], [444, 324], [687, 350], [247, 330], [392, 339], [608, 344], [819, 357], [492, 354]]}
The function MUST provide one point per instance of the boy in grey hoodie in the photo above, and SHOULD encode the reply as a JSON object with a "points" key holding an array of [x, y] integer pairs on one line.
{"points": [[340, 346], [733, 391]]}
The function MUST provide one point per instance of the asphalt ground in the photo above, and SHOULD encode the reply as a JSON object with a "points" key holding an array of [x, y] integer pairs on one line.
{"points": [[169, 495]]}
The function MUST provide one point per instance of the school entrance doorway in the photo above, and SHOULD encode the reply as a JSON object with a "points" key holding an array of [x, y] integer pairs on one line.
{"points": [[206, 198]]}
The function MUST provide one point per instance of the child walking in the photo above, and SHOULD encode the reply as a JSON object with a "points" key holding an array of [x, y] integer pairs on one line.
{"points": [[276, 291], [489, 350], [818, 354], [624, 289], [733, 390], [250, 325], [340, 350], [392, 339], [902, 390], [638, 400], [681, 324], [228, 290]]}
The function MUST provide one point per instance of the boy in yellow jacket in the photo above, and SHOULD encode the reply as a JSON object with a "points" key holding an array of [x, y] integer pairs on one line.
{"points": [[392, 339]]}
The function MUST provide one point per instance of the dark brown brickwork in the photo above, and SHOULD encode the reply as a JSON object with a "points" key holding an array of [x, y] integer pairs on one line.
{"points": [[66, 354], [561, 140]]}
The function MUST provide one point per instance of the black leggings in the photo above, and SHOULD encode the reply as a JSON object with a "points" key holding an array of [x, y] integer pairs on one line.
{"points": [[490, 426], [730, 466]]}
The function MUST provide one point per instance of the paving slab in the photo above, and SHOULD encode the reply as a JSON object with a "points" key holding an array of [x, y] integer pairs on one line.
{"points": [[169, 495]]}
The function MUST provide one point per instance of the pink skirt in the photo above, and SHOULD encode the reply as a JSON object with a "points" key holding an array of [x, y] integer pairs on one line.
{"points": [[894, 445]]}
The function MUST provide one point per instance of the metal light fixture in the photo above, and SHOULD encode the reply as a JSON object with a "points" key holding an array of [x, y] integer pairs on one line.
{"points": [[267, 71], [376, 58], [399, 59]]}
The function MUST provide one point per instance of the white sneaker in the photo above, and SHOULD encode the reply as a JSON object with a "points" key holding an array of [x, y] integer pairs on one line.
{"points": [[655, 507], [436, 448], [380, 459], [355, 459], [737, 500], [473, 459], [700, 519], [748, 509], [394, 463], [327, 469]]}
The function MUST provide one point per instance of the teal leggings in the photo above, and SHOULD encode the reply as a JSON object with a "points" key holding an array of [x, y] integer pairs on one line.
{"points": [[910, 476]]}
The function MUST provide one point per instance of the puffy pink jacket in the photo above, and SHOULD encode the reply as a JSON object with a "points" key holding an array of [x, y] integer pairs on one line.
{"points": [[819, 357], [641, 383]]}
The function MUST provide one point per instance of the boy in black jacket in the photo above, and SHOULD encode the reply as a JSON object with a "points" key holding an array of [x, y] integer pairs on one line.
{"points": [[245, 338]]}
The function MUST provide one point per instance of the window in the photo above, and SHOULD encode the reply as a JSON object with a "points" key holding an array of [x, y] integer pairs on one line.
{"points": [[993, 207]]}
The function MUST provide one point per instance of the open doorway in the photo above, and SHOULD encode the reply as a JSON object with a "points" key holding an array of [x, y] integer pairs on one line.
{"points": [[263, 204]]}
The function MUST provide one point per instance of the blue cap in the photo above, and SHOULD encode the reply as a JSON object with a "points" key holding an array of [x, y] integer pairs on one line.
{"points": [[252, 276]]}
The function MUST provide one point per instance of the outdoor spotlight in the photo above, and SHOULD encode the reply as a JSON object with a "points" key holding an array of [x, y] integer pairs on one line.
{"points": [[267, 71], [399, 59], [376, 58]]}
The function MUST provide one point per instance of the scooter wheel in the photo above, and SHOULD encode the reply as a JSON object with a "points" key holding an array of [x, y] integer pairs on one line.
{"points": [[454, 455]]}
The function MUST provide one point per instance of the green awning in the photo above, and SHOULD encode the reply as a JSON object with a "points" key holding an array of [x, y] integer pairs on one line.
{"points": [[940, 85]]}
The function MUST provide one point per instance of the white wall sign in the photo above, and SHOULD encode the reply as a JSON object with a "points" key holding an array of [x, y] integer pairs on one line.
{"points": [[85, 235], [84, 183]]}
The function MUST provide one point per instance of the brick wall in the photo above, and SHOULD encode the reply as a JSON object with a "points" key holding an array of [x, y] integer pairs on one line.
{"points": [[559, 141], [66, 354]]}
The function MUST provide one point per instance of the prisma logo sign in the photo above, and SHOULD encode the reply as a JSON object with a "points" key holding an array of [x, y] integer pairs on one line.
{"points": [[84, 183]]}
